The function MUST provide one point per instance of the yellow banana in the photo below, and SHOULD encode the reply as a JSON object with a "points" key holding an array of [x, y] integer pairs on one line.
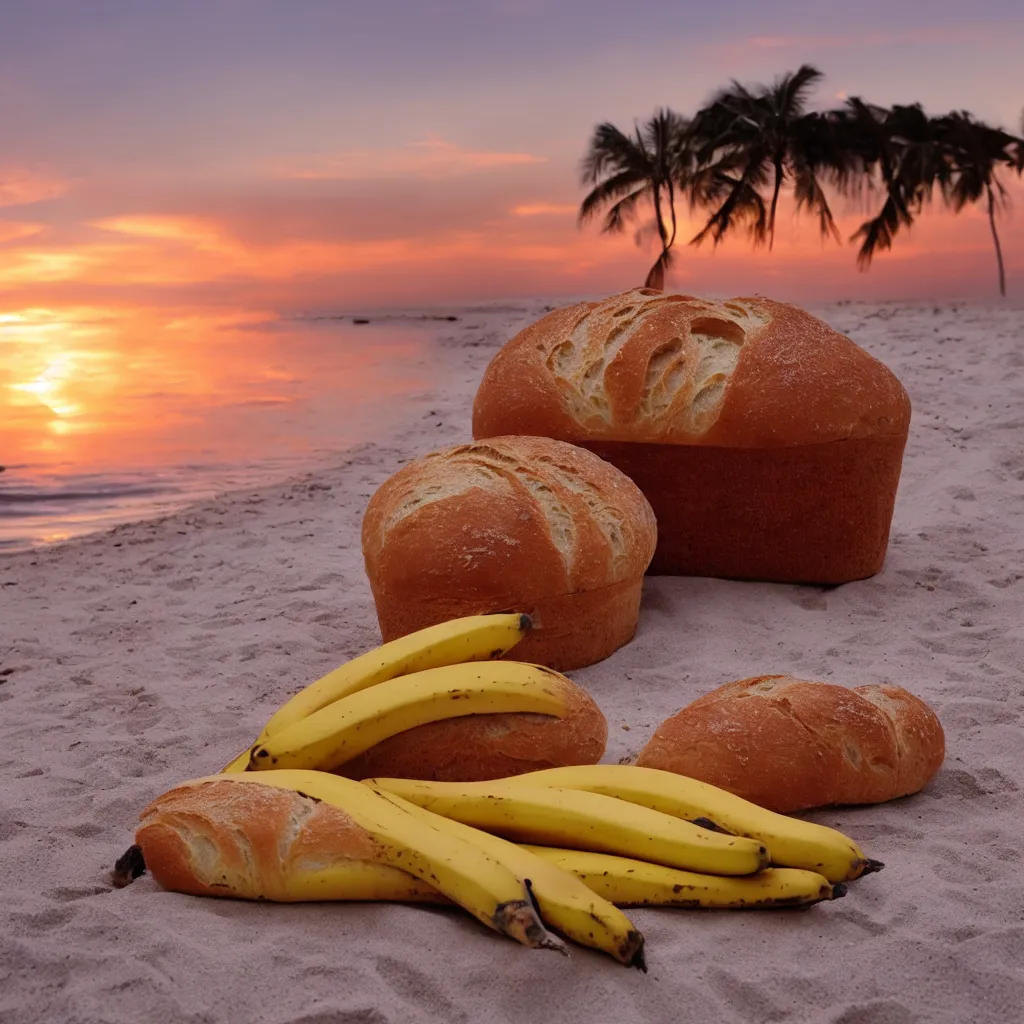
{"points": [[587, 821], [793, 842], [565, 902], [627, 882], [239, 764], [467, 639], [461, 871], [356, 880], [335, 734]]}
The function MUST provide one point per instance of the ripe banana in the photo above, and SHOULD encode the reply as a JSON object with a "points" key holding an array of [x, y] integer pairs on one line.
{"points": [[468, 639], [335, 734], [565, 902], [461, 871], [793, 842], [355, 880], [587, 821], [472, 638], [629, 883], [239, 764]]}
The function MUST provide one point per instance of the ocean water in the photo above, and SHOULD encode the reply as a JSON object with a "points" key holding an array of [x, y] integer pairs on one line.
{"points": [[108, 417]]}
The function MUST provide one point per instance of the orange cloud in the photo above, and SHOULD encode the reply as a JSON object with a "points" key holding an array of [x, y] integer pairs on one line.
{"points": [[10, 230], [544, 209], [20, 186], [315, 255], [431, 158]]}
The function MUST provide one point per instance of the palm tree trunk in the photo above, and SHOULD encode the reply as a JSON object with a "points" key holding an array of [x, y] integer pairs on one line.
{"points": [[656, 275], [775, 202], [672, 210], [995, 238]]}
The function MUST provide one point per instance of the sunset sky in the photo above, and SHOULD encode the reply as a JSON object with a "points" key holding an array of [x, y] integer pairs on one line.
{"points": [[320, 154]]}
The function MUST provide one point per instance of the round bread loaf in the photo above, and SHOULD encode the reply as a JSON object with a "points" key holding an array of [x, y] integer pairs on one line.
{"points": [[475, 748], [769, 444], [525, 524], [788, 744]]}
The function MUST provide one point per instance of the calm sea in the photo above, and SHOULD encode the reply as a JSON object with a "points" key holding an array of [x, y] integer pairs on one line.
{"points": [[108, 417]]}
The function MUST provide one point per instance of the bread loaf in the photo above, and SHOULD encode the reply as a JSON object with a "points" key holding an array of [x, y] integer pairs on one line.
{"points": [[228, 838], [512, 524], [768, 444], [788, 744], [480, 747]]}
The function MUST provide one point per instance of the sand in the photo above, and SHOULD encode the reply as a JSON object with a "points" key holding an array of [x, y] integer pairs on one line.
{"points": [[133, 659]]}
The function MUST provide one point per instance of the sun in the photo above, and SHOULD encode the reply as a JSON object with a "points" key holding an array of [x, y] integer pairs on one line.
{"points": [[48, 387]]}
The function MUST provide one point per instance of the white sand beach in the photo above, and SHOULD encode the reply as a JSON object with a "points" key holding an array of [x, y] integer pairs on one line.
{"points": [[134, 659]]}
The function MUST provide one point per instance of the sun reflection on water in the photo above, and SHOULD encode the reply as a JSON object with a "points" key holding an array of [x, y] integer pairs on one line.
{"points": [[123, 398]]}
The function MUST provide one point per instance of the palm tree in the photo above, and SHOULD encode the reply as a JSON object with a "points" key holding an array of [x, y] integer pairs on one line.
{"points": [[911, 154], [896, 150], [747, 139], [976, 153], [651, 164]]}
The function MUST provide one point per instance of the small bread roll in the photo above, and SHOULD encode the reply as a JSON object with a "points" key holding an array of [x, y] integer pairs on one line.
{"points": [[475, 748], [788, 744], [522, 524]]}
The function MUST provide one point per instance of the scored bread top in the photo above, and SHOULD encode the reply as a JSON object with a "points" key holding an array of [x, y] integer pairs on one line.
{"points": [[528, 516], [789, 744], [222, 837], [657, 367]]}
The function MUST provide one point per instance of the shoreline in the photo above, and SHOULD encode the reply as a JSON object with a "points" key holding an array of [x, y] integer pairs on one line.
{"points": [[314, 464]]}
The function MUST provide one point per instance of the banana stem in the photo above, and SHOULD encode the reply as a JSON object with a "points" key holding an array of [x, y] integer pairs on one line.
{"points": [[520, 920], [128, 867]]}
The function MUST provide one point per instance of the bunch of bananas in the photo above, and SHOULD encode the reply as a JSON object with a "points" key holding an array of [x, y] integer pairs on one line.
{"points": [[562, 848]]}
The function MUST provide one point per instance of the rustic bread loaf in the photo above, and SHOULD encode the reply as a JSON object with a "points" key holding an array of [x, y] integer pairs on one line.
{"points": [[521, 524], [788, 744], [479, 747], [228, 838], [768, 444]]}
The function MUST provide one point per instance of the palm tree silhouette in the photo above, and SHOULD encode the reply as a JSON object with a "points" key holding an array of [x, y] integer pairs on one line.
{"points": [[895, 150], [750, 138], [912, 154], [976, 153], [652, 164], [747, 143]]}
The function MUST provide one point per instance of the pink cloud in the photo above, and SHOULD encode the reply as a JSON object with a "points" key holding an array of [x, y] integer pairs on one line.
{"points": [[925, 34], [20, 186], [11, 230], [430, 158], [544, 209]]}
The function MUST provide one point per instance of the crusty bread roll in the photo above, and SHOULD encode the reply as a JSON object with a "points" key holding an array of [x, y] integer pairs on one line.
{"points": [[789, 744], [768, 444], [228, 838], [479, 747], [522, 524]]}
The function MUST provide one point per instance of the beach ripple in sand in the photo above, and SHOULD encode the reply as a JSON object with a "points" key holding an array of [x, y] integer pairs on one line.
{"points": [[133, 659]]}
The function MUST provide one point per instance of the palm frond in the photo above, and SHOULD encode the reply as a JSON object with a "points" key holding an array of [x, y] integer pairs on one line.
{"points": [[622, 211], [611, 190], [879, 232], [611, 151], [790, 91], [742, 204], [810, 195]]}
